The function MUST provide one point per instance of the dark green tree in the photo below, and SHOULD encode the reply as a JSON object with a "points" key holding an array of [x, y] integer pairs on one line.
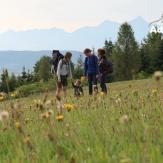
{"points": [[12, 82], [42, 69], [79, 68], [5, 81], [151, 53], [126, 57], [108, 48]]}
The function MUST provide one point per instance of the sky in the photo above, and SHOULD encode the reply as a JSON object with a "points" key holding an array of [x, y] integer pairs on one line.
{"points": [[69, 15]]}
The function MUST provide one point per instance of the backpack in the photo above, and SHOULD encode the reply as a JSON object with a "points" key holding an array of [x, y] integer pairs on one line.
{"points": [[56, 57], [107, 67]]}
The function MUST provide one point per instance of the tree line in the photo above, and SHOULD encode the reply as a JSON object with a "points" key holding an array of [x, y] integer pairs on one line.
{"points": [[131, 60]]}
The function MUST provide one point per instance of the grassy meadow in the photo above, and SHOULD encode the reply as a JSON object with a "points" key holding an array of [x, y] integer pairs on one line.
{"points": [[126, 126]]}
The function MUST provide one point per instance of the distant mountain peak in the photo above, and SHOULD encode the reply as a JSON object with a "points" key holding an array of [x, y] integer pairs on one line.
{"points": [[138, 19], [55, 38]]}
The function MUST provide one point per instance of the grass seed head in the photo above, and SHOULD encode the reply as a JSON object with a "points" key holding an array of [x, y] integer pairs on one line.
{"points": [[157, 75]]}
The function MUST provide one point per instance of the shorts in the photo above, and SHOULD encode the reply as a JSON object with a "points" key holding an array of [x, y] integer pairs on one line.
{"points": [[63, 82]]}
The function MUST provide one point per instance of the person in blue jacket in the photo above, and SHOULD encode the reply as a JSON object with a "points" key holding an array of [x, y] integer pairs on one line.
{"points": [[91, 69]]}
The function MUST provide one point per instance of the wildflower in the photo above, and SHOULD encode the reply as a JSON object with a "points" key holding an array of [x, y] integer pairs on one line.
{"points": [[48, 104], [45, 115], [2, 98], [102, 94], [60, 117], [124, 119], [27, 120], [50, 112], [59, 105], [18, 125], [26, 140], [13, 95], [118, 101], [4, 115], [142, 100], [157, 75], [154, 92], [68, 107], [38, 104], [82, 78]]}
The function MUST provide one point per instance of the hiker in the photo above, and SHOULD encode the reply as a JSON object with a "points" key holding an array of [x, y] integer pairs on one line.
{"points": [[91, 69], [63, 72], [56, 57], [105, 68]]}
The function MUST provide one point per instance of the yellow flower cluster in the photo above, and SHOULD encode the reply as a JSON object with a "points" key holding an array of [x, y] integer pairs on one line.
{"points": [[60, 118], [68, 107]]}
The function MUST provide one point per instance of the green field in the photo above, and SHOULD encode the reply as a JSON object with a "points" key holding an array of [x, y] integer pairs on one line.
{"points": [[126, 126]]}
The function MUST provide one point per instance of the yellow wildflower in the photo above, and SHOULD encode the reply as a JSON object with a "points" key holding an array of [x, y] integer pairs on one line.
{"points": [[68, 107], [154, 91], [60, 117], [102, 94], [82, 78], [13, 95], [18, 125], [2, 98]]}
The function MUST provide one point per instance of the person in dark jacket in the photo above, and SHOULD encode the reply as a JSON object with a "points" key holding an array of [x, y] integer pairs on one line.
{"points": [[91, 69], [103, 69]]}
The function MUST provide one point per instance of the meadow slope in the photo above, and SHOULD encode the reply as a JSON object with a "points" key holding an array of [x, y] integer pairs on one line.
{"points": [[126, 126]]}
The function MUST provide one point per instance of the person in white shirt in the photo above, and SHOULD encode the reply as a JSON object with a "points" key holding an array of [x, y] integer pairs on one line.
{"points": [[63, 72]]}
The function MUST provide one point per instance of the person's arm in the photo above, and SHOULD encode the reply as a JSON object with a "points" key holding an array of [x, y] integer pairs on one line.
{"points": [[73, 84], [85, 67], [59, 70], [70, 70], [96, 65]]}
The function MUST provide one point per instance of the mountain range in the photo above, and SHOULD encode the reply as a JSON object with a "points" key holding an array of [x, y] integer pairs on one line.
{"points": [[24, 48], [43, 39], [14, 61]]}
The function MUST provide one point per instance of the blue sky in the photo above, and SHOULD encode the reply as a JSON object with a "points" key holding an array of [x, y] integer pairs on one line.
{"points": [[72, 14]]}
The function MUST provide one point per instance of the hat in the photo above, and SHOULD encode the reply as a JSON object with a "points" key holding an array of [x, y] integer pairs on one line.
{"points": [[56, 52]]}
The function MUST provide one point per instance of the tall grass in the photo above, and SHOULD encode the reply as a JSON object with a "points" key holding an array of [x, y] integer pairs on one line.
{"points": [[124, 126]]}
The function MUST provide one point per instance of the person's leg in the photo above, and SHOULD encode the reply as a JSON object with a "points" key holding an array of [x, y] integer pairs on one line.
{"points": [[65, 84], [90, 83], [103, 84], [94, 81], [65, 91], [59, 87]]}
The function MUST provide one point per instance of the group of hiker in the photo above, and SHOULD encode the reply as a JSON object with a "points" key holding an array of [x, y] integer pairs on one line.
{"points": [[96, 68]]}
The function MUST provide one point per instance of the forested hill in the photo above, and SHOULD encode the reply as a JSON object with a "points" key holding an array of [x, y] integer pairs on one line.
{"points": [[15, 60]]}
